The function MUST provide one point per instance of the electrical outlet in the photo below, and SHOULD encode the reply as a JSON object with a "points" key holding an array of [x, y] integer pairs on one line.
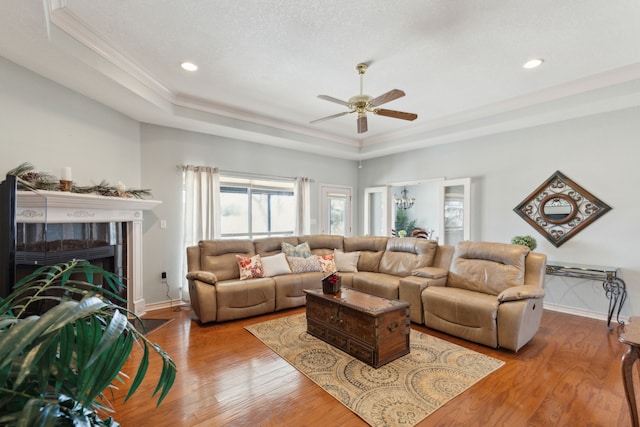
{"points": [[164, 277]]}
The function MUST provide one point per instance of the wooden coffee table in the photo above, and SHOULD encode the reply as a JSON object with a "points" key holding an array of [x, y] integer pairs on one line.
{"points": [[370, 328]]}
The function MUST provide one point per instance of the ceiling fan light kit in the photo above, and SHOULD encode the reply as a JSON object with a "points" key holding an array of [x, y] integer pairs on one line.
{"points": [[363, 104]]}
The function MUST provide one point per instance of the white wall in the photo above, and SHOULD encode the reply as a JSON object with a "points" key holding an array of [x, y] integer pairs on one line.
{"points": [[164, 149], [600, 153]]}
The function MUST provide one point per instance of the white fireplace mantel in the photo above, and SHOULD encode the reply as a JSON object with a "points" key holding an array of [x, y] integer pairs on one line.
{"points": [[65, 207]]}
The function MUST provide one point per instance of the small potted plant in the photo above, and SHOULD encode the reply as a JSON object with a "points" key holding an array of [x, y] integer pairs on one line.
{"points": [[331, 283], [527, 241]]}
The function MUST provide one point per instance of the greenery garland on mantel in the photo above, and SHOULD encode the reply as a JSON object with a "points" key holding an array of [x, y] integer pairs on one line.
{"points": [[29, 179]]}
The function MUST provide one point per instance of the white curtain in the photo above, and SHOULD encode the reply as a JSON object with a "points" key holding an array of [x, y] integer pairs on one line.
{"points": [[201, 186], [303, 206]]}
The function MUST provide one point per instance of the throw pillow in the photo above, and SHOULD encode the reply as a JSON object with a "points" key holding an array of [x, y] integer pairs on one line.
{"points": [[304, 265], [346, 261], [327, 263], [302, 250], [250, 267], [275, 265]]}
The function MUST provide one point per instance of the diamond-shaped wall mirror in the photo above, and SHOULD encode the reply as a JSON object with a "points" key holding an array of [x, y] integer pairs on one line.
{"points": [[560, 208]]}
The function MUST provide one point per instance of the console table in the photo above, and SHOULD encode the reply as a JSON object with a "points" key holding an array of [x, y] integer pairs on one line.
{"points": [[614, 287], [631, 337]]}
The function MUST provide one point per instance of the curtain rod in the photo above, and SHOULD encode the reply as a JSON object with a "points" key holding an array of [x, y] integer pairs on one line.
{"points": [[254, 175], [260, 176]]}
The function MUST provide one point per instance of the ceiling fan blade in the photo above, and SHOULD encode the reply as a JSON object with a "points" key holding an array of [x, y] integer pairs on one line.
{"points": [[331, 117], [332, 99], [395, 114], [362, 124], [387, 97]]}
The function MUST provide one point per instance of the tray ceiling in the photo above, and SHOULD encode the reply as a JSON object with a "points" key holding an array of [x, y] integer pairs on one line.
{"points": [[262, 64]]}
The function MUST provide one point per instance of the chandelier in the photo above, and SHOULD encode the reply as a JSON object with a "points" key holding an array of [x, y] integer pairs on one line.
{"points": [[404, 202]]}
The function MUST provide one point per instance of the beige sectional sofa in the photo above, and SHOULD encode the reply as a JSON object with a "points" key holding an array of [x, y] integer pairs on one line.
{"points": [[459, 290], [218, 294]]}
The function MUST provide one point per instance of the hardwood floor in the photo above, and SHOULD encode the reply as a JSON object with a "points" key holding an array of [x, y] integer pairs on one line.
{"points": [[568, 375]]}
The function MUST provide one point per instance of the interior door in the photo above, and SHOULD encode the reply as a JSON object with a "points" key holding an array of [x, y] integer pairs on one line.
{"points": [[455, 206]]}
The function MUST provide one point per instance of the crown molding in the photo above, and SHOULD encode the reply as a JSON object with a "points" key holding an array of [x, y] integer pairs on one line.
{"points": [[562, 102], [73, 26], [62, 17]]}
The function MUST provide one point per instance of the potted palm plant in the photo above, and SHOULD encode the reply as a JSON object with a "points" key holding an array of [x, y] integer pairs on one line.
{"points": [[56, 366]]}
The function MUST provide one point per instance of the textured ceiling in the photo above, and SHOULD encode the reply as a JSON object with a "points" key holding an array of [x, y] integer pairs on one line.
{"points": [[263, 63]]}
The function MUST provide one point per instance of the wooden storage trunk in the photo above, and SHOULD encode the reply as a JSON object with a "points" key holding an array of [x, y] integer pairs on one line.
{"points": [[370, 328]]}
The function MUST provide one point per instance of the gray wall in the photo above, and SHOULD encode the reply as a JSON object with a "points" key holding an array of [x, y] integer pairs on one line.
{"points": [[599, 152], [52, 127], [164, 149]]}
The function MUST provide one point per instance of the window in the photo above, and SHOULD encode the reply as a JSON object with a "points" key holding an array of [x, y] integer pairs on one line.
{"points": [[253, 208]]}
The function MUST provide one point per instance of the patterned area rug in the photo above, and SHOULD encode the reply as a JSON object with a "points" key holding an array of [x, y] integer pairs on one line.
{"points": [[400, 393]]}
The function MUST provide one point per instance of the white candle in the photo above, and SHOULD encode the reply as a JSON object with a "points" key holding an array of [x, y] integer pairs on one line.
{"points": [[66, 173]]}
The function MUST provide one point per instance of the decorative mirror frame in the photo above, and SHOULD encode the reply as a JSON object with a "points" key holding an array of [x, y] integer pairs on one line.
{"points": [[562, 193]]}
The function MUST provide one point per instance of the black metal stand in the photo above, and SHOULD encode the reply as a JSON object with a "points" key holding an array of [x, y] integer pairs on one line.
{"points": [[614, 287], [616, 291]]}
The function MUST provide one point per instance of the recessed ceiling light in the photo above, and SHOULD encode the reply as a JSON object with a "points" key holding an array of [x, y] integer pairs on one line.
{"points": [[533, 63], [189, 66]]}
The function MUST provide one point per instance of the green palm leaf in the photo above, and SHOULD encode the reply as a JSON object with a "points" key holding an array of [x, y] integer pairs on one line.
{"points": [[111, 335], [142, 371], [55, 365]]}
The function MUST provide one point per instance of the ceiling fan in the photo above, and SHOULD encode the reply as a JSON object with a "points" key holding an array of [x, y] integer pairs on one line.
{"points": [[362, 104]]}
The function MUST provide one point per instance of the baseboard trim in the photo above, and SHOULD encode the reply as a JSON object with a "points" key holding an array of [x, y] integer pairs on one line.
{"points": [[583, 313], [165, 304]]}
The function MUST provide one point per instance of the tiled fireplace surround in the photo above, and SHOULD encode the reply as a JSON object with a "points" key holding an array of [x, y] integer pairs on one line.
{"points": [[54, 207]]}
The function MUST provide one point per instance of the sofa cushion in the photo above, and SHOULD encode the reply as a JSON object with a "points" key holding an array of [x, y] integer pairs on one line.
{"points": [[250, 267], [275, 265], [405, 254], [304, 265], [463, 313], [346, 261], [290, 288], [302, 250], [371, 249], [380, 284], [219, 256], [268, 246], [237, 299], [487, 267], [323, 244]]}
